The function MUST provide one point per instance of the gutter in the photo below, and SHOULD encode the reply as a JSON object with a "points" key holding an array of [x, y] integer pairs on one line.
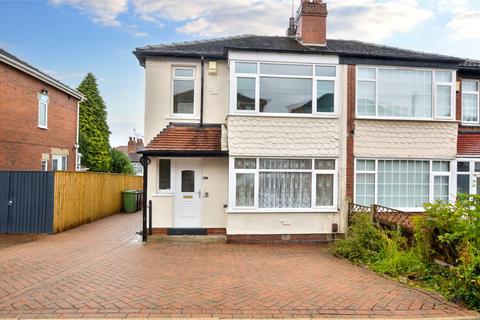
{"points": [[41, 76]]}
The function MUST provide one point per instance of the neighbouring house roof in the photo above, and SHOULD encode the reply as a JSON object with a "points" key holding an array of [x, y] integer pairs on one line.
{"points": [[123, 149], [218, 49], [21, 65], [467, 144], [471, 67], [187, 140]]}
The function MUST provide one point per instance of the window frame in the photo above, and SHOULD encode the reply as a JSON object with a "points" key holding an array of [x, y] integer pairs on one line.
{"points": [[43, 163], [172, 93], [313, 77], [471, 173], [434, 116], [255, 208], [172, 180], [477, 93], [43, 100], [59, 158], [432, 174]]}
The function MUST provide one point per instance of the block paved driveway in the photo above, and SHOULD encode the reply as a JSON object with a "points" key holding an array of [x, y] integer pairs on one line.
{"points": [[103, 270]]}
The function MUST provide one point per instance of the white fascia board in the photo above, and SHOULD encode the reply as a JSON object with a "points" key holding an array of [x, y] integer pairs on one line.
{"points": [[283, 57], [41, 76]]}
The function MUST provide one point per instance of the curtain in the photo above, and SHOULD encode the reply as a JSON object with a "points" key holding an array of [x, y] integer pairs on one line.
{"points": [[285, 190], [245, 190], [324, 190]]}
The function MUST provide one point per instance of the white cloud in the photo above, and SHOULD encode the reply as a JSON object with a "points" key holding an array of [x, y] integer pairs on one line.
{"points": [[218, 17], [103, 12], [370, 20], [465, 25]]}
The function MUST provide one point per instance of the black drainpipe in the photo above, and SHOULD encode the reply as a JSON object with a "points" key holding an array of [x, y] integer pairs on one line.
{"points": [[145, 161], [201, 91]]}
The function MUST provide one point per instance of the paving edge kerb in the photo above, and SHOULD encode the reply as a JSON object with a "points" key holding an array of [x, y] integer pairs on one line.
{"points": [[216, 318]]}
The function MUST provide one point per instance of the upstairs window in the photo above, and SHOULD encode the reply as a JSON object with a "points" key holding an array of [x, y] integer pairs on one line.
{"points": [[43, 111], [279, 88], [470, 102], [405, 93], [183, 91]]}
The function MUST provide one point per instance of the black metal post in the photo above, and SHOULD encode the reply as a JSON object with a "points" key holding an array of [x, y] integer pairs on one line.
{"points": [[145, 161], [150, 229]]}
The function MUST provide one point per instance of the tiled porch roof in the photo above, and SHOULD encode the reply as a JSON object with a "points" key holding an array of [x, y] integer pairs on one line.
{"points": [[185, 139]]}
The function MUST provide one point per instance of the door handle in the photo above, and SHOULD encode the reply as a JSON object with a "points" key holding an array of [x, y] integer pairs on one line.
{"points": [[10, 203]]}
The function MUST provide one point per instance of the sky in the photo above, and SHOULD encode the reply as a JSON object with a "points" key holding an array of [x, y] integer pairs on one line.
{"points": [[68, 38]]}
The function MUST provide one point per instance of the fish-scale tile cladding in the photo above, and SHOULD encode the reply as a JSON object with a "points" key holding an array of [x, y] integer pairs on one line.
{"points": [[405, 139], [281, 136], [179, 137]]}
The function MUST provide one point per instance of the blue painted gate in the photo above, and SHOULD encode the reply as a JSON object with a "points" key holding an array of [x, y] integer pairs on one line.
{"points": [[26, 202]]}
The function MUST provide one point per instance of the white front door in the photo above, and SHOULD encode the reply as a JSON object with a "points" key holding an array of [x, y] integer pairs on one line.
{"points": [[188, 192]]}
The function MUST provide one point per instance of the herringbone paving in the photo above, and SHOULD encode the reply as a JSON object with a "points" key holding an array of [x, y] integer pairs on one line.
{"points": [[103, 270]]}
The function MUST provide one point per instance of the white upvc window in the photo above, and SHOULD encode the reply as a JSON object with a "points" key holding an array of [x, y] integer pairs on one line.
{"points": [[59, 162], [283, 88], [43, 111], [470, 102], [468, 176], [275, 184], [183, 91], [402, 184], [405, 93], [44, 165]]}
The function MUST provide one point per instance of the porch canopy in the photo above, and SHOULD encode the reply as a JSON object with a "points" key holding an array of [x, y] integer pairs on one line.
{"points": [[187, 140]]}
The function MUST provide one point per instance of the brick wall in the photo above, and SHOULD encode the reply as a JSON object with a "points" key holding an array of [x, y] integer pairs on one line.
{"points": [[468, 136], [22, 143]]}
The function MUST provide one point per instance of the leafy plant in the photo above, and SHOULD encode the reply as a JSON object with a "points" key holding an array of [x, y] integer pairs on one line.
{"points": [[120, 163]]}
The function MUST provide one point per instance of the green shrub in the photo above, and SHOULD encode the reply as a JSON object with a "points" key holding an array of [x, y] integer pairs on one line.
{"points": [[450, 232], [364, 240], [396, 258]]}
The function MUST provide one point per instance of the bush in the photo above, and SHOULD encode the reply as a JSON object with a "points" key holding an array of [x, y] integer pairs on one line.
{"points": [[450, 232], [364, 240], [120, 163]]}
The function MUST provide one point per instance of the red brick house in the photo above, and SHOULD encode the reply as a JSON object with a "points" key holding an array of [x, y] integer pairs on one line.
{"points": [[39, 116]]}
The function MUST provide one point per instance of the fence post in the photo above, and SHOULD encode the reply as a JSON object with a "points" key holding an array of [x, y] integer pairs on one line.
{"points": [[373, 212], [150, 230]]}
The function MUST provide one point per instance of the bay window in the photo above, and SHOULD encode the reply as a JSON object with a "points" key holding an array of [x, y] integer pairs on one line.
{"points": [[470, 102], [280, 88], [404, 93], [405, 184], [270, 183]]}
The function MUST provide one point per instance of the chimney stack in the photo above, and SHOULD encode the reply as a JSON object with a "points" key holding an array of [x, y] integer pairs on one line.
{"points": [[311, 23]]}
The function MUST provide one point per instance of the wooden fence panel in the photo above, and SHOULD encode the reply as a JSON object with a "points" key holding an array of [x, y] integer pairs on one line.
{"points": [[83, 197]]}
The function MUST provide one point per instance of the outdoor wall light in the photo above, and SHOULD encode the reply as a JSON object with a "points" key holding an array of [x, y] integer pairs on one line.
{"points": [[44, 91]]}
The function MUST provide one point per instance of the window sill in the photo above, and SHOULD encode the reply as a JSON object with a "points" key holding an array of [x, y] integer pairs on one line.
{"points": [[406, 119], [300, 210], [463, 124], [43, 128], [285, 115], [183, 117]]}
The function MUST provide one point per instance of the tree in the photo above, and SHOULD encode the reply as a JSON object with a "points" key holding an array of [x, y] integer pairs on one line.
{"points": [[94, 132], [120, 163]]}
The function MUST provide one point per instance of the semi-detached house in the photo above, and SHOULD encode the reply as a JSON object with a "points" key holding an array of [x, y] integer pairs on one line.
{"points": [[269, 137]]}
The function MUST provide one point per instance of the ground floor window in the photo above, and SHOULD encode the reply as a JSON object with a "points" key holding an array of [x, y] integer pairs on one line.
{"points": [[406, 184], [272, 183], [59, 162], [44, 165], [468, 176]]}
